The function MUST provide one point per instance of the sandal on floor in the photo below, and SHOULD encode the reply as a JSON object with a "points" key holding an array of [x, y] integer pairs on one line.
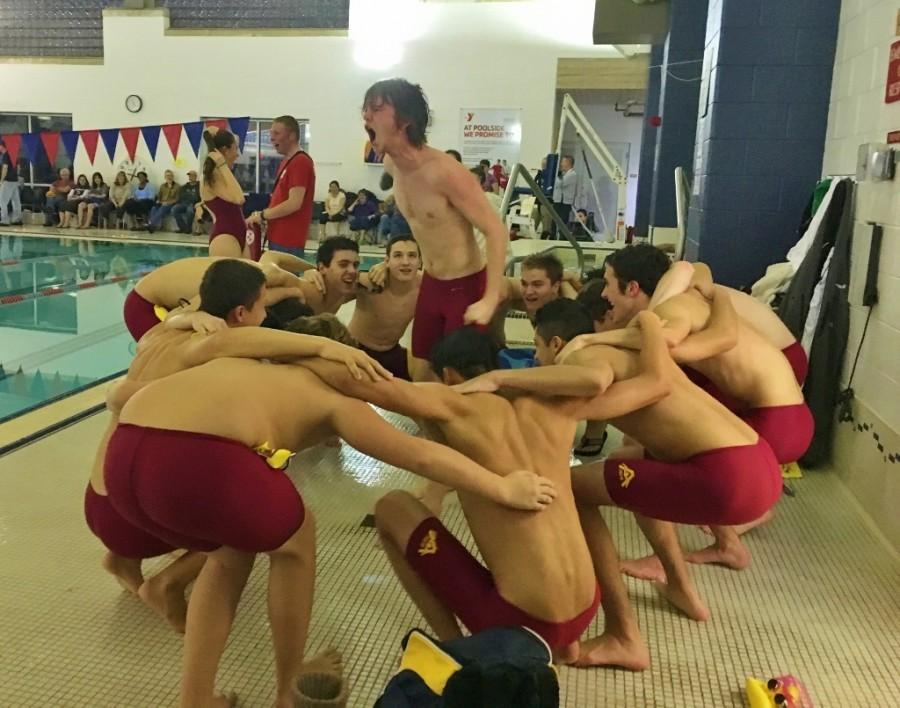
{"points": [[590, 447]]}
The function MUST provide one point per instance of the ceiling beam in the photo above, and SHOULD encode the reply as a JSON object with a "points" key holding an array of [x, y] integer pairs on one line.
{"points": [[590, 73]]}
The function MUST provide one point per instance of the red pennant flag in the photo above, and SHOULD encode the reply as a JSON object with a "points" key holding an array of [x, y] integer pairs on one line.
{"points": [[130, 138], [89, 139], [51, 145], [173, 137], [13, 143], [220, 123]]}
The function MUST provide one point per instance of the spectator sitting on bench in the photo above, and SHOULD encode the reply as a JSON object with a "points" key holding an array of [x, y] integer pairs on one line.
{"points": [[119, 193], [74, 198], [335, 211], [188, 201], [363, 213], [56, 196], [165, 200], [141, 201], [96, 195]]}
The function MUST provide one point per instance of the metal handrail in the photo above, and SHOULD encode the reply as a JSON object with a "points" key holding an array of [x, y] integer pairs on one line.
{"points": [[519, 170]]}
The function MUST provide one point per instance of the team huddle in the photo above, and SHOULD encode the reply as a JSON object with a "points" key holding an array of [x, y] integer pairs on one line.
{"points": [[703, 381]]}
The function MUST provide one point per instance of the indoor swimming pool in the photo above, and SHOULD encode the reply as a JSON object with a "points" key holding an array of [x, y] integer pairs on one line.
{"points": [[61, 327]]}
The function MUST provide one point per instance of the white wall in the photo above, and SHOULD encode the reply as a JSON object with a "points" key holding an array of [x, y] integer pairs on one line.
{"points": [[858, 114], [464, 55]]}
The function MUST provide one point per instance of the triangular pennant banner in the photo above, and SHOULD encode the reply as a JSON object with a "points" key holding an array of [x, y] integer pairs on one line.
{"points": [[151, 138], [31, 144], [239, 128], [70, 143], [173, 137], [89, 140], [194, 132], [110, 141], [13, 143], [51, 145], [220, 123], [130, 138]]}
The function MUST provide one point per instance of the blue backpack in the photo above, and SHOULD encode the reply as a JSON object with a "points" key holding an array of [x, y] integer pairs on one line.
{"points": [[502, 667]]}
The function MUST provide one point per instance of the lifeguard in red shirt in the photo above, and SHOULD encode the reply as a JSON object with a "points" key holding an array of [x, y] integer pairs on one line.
{"points": [[289, 213]]}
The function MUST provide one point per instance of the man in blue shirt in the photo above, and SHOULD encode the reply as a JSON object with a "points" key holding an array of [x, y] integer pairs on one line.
{"points": [[142, 200]]}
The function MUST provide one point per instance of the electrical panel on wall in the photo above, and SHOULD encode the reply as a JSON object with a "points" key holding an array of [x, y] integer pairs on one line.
{"points": [[875, 162]]}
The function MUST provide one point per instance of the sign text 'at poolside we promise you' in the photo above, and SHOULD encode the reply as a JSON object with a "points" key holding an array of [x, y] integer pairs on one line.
{"points": [[490, 133]]}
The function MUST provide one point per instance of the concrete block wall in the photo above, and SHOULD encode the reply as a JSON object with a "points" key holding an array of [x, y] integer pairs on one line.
{"points": [[761, 130], [867, 451]]}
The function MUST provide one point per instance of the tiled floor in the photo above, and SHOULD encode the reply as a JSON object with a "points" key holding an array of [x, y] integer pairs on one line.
{"points": [[820, 600]]}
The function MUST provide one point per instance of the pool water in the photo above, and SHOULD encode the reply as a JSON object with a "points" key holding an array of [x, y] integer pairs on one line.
{"points": [[61, 327]]}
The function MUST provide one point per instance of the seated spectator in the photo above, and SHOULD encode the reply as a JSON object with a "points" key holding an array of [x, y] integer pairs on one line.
{"points": [[188, 201], [75, 196], [142, 199], [97, 195], [583, 229], [386, 209], [165, 200], [489, 182], [363, 212], [56, 196], [335, 210], [119, 193], [399, 225]]}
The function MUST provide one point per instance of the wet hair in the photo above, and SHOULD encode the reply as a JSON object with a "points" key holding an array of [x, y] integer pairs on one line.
{"points": [[290, 123], [83, 178], [563, 318], [281, 313], [214, 141], [409, 102], [324, 325], [400, 238], [592, 299], [465, 350], [336, 243], [229, 283], [546, 262], [642, 263], [94, 179], [454, 154]]}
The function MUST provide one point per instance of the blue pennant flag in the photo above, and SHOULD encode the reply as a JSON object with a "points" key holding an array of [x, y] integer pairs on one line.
{"points": [[151, 138], [110, 138], [31, 143], [239, 128], [194, 132], [70, 142]]}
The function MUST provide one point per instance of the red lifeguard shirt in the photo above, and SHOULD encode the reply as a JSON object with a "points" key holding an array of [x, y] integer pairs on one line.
{"points": [[292, 230]]}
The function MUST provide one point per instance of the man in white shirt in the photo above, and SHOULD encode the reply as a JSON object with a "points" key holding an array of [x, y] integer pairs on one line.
{"points": [[565, 190]]}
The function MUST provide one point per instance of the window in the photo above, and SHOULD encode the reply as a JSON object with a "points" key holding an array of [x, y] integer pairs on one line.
{"points": [[40, 171], [256, 166]]}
